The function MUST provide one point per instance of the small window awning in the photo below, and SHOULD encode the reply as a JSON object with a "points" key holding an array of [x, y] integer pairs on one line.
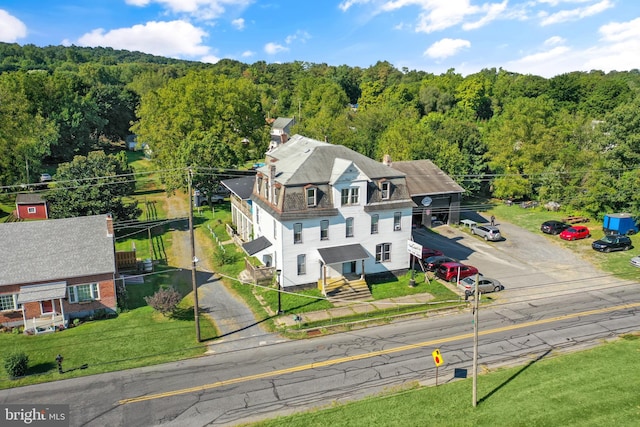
{"points": [[44, 292], [346, 253]]}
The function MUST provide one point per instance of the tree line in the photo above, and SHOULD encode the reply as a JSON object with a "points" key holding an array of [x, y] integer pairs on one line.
{"points": [[572, 139]]}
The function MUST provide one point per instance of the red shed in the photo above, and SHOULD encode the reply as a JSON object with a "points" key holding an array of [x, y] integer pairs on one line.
{"points": [[31, 206]]}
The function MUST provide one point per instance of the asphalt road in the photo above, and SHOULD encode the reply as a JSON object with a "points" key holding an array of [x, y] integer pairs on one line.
{"points": [[240, 386]]}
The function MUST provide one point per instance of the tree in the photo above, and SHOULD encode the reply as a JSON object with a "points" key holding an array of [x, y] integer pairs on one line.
{"points": [[93, 185], [201, 119], [165, 300]]}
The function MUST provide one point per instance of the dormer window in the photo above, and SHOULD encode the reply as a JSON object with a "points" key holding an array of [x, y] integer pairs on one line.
{"points": [[350, 196], [385, 190], [311, 195]]}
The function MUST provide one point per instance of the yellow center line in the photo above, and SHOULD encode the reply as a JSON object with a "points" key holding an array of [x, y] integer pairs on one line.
{"points": [[331, 362]]}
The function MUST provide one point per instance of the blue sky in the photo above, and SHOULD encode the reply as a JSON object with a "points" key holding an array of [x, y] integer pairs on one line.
{"points": [[542, 37]]}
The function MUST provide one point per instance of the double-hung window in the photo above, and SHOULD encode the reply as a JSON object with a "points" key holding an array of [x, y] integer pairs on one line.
{"points": [[397, 216], [374, 223], [383, 252], [302, 264], [311, 197], [81, 293], [349, 227], [324, 229], [385, 190], [297, 232]]}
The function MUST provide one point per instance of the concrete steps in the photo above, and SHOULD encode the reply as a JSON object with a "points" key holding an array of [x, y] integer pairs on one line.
{"points": [[341, 289]]}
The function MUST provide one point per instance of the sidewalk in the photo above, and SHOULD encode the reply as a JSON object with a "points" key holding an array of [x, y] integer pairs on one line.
{"points": [[352, 308]]}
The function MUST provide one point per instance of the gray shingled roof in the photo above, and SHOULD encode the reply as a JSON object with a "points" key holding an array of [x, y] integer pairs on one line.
{"points": [[29, 199], [282, 122], [425, 178], [241, 187], [304, 160], [55, 249], [44, 292]]}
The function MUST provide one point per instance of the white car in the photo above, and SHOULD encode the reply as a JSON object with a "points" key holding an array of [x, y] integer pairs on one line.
{"points": [[488, 232], [635, 261]]}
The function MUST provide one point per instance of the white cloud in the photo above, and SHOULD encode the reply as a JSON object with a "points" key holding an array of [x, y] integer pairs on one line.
{"points": [[576, 14], [616, 50], [299, 35], [238, 23], [11, 28], [446, 47], [202, 9], [273, 48], [248, 54], [492, 12], [209, 59], [173, 39], [345, 5]]}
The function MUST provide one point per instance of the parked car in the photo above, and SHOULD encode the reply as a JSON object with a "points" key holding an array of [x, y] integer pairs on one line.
{"points": [[451, 271], [488, 232], [635, 261], [612, 242], [485, 285], [428, 252], [554, 227], [433, 262], [575, 232], [45, 177]]}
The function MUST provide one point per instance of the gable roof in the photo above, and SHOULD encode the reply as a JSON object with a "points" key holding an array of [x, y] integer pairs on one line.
{"points": [[304, 160], [425, 178], [282, 122], [56, 249], [29, 199]]}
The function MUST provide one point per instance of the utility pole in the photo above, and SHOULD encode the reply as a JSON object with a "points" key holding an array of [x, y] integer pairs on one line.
{"points": [[475, 342], [194, 284]]}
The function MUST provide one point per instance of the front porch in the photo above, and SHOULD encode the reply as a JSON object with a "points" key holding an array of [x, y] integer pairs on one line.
{"points": [[45, 299], [45, 324]]}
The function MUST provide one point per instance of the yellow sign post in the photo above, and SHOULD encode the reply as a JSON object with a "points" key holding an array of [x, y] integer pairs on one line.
{"points": [[438, 360]]}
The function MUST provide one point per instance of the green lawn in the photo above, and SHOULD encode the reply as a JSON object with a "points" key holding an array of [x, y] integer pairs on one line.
{"points": [[135, 338], [590, 388]]}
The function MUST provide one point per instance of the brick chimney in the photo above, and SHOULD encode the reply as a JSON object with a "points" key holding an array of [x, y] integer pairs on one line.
{"points": [[386, 160], [109, 225], [272, 183]]}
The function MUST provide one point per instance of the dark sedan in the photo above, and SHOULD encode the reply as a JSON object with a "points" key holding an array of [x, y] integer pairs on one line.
{"points": [[554, 227], [433, 262]]}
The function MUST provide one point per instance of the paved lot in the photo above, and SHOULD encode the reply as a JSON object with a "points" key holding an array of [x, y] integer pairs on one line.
{"points": [[527, 262]]}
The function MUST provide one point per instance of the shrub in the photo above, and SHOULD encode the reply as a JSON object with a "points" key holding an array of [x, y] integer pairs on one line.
{"points": [[164, 300], [16, 364]]}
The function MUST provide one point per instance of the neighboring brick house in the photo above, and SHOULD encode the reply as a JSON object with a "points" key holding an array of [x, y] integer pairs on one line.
{"points": [[56, 270], [31, 206], [322, 211]]}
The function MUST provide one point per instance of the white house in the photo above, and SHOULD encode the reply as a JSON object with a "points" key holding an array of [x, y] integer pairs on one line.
{"points": [[322, 211]]}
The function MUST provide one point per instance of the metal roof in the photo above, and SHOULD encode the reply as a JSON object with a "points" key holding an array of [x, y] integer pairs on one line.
{"points": [[241, 187], [55, 249], [29, 199], [44, 292]]}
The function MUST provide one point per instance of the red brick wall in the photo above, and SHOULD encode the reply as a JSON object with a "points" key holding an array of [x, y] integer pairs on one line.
{"points": [[106, 288]]}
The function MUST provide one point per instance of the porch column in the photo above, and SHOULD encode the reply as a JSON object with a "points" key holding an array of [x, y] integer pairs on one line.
{"points": [[324, 279], [362, 271], [24, 318], [64, 323]]}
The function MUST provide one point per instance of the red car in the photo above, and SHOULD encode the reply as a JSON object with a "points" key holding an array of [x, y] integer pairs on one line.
{"points": [[575, 232], [428, 252], [451, 271]]}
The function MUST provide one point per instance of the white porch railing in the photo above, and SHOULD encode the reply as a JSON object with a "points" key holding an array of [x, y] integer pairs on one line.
{"points": [[45, 323]]}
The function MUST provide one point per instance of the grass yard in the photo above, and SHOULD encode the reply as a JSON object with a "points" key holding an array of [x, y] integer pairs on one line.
{"points": [[135, 338], [550, 392]]}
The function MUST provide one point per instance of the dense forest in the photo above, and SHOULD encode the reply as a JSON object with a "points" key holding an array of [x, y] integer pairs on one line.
{"points": [[573, 139]]}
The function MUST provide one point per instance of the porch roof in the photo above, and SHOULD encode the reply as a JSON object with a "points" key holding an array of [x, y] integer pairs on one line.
{"points": [[44, 292], [346, 253]]}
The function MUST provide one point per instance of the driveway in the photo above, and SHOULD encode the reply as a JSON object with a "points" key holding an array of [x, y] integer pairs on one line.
{"points": [[526, 263]]}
